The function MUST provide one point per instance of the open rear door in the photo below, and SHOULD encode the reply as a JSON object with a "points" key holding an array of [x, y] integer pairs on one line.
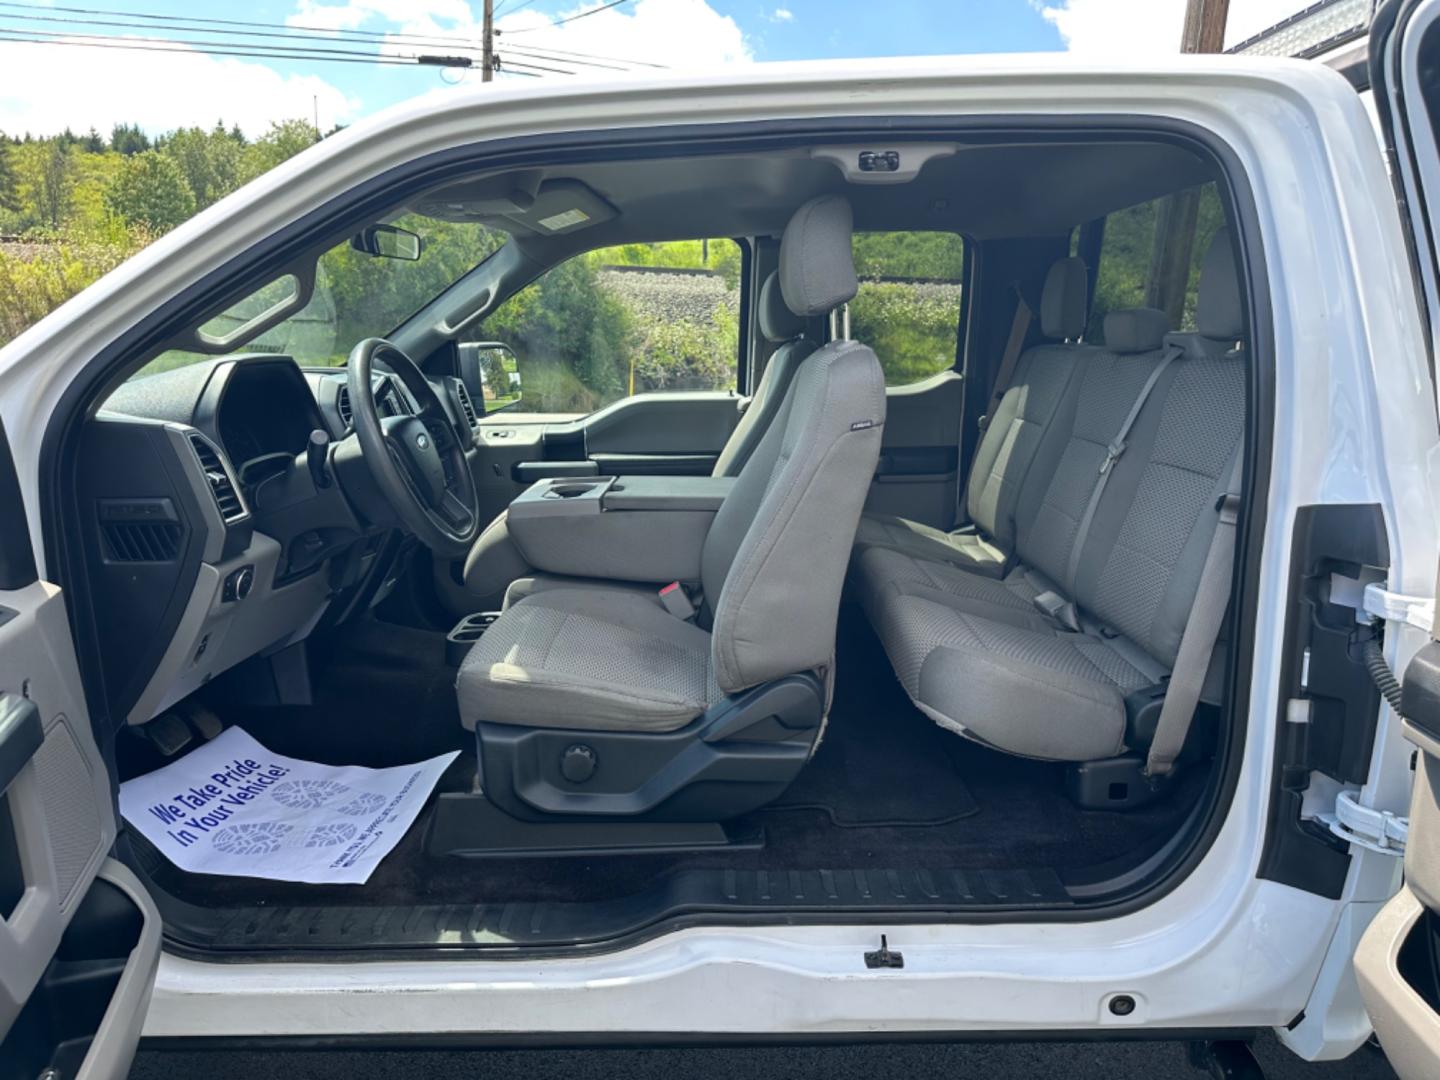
{"points": [[79, 938]]}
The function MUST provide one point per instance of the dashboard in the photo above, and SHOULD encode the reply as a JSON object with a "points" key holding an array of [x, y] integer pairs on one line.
{"points": [[209, 539]]}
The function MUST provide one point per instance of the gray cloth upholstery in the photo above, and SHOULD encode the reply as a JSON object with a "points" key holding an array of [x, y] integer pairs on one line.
{"points": [[1014, 439], [495, 560], [1136, 329], [774, 561], [1039, 662], [817, 266], [588, 659], [771, 567], [777, 322], [1064, 304], [1219, 312]]}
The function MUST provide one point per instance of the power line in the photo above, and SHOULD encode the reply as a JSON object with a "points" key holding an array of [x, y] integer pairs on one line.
{"points": [[276, 51], [138, 46], [589, 56], [190, 23], [581, 59], [569, 18]]}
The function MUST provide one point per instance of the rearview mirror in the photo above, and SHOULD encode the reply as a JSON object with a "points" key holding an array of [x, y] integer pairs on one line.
{"points": [[491, 373], [387, 242]]}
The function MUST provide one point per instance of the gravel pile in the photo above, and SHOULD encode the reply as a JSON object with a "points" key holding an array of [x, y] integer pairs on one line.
{"points": [[669, 297]]}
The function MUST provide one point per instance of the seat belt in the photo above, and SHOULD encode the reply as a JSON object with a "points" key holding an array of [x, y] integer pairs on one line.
{"points": [[1014, 346], [1202, 631], [1113, 452]]}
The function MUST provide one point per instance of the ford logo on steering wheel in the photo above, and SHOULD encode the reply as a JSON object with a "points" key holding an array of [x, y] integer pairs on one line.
{"points": [[422, 441]]}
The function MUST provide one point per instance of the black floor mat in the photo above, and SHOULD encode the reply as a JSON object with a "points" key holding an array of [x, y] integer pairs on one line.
{"points": [[880, 766], [888, 788]]}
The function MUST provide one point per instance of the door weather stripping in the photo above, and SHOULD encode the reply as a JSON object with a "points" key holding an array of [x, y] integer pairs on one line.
{"points": [[1417, 611], [1374, 830]]}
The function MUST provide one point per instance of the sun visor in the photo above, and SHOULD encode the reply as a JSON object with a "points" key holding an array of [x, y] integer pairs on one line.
{"points": [[563, 206]]}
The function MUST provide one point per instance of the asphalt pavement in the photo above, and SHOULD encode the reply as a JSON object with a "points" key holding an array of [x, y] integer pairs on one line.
{"points": [[869, 1061]]}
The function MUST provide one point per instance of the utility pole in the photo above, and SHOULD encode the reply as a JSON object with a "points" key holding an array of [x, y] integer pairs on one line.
{"points": [[1176, 217], [487, 62]]}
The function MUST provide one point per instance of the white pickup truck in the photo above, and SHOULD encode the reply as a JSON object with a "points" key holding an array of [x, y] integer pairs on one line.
{"points": [[1021, 621]]}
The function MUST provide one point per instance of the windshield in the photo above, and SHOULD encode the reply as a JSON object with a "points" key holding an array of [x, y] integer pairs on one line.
{"points": [[357, 295]]}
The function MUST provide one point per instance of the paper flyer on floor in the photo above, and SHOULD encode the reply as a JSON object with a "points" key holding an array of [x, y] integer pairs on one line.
{"points": [[234, 808]]}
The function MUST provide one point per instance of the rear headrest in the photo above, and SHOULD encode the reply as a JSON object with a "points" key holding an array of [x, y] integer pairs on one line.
{"points": [[1218, 311], [1140, 329], [1063, 303], [777, 321], [817, 267]]}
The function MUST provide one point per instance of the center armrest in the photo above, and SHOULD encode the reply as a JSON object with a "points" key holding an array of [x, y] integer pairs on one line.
{"points": [[647, 529], [668, 493]]}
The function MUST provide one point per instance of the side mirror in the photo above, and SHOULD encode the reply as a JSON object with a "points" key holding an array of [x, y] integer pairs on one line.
{"points": [[491, 373], [388, 242]]}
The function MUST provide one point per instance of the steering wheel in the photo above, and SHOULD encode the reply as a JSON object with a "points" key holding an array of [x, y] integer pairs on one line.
{"points": [[418, 462]]}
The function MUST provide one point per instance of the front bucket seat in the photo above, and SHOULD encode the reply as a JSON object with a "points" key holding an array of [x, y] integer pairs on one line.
{"points": [[595, 700]]}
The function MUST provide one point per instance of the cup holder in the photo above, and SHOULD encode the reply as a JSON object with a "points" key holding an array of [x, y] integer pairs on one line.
{"points": [[460, 640], [569, 491]]}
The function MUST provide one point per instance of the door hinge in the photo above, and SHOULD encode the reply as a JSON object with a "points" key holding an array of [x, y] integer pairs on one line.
{"points": [[1374, 830], [1417, 611]]}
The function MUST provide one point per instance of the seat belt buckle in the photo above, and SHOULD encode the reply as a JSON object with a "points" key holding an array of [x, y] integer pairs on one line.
{"points": [[1058, 608], [983, 424], [1228, 506], [674, 600], [1112, 455]]}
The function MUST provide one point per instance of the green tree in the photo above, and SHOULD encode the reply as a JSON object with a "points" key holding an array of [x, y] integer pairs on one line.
{"points": [[151, 191], [9, 184], [282, 142], [54, 183], [128, 139], [210, 161]]}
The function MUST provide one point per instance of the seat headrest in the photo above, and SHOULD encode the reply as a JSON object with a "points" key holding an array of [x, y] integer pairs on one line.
{"points": [[1218, 311], [1132, 330], [817, 267], [777, 321], [1063, 302]]}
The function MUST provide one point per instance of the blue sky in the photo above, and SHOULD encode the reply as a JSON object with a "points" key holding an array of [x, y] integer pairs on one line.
{"points": [[48, 86]]}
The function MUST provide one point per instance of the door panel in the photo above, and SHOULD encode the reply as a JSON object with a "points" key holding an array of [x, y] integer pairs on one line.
{"points": [[673, 434], [917, 474], [1398, 961], [56, 827]]}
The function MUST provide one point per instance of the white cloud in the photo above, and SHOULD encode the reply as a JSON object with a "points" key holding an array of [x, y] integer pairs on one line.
{"points": [[1139, 28], [664, 32], [99, 88], [782, 14]]}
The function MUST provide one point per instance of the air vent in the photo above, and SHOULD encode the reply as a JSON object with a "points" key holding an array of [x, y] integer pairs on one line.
{"points": [[226, 497], [142, 541], [342, 405], [466, 405]]}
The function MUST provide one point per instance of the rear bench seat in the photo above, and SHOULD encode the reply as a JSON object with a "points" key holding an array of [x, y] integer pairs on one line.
{"points": [[1013, 439], [1039, 662]]}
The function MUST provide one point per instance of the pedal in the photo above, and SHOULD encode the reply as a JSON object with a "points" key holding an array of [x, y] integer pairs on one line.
{"points": [[205, 722], [169, 734]]}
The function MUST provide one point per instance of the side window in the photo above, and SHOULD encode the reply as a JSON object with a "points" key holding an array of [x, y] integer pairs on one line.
{"points": [[1134, 269], [908, 306], [625, 320]]}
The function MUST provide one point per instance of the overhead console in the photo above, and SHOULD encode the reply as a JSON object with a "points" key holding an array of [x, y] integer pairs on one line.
{"points": [[639, 528]]}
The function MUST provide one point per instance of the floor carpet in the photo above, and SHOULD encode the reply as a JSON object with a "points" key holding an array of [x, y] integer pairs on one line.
{"points": [[887, 789]]}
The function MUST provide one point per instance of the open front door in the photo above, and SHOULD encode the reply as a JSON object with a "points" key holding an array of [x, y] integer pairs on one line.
{"points": [[79, 938], [1398, 960]]}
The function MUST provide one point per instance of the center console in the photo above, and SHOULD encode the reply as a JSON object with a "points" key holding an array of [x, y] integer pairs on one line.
{"points": [[634, 528]]}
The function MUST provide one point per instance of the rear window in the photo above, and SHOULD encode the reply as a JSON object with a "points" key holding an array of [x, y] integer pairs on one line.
{"points": [[908, 305], [1134, 272]]}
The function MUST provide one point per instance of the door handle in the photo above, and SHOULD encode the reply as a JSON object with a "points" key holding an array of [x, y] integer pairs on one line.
{"points": [[21, 734]]}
